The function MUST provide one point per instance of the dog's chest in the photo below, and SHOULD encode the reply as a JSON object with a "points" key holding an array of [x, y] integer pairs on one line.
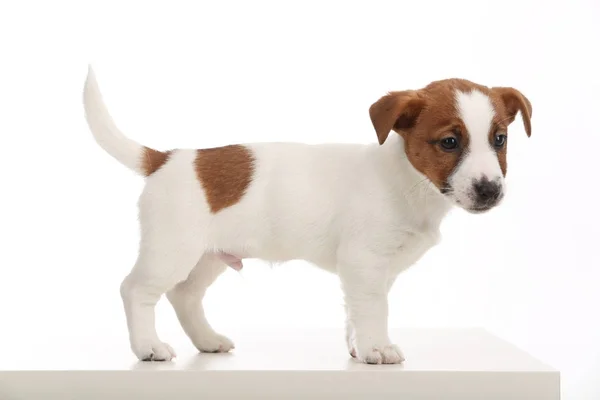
{"points": [[413, 246]]}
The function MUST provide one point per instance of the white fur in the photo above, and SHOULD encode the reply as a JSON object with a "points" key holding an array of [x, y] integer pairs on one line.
{"points": [[106, 133], [480, 161], [360, 211]]}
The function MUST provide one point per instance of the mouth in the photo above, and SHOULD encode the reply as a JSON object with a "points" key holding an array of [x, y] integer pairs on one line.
{"points": [[445, 189], [472, 208], [480, 209]]}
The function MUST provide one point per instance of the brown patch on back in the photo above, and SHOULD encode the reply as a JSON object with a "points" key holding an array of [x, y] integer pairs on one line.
{"points": [[225, 173], [152, 160]]}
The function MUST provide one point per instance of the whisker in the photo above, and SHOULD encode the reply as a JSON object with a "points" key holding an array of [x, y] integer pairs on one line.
{"points": [[415, 186]]}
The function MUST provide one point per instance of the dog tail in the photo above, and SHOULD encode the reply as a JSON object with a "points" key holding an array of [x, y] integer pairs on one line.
{"points": [[141, 159]]}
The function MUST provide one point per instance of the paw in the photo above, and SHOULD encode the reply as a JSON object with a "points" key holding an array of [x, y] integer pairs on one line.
{"points": [[389, 354], [213, 343], [156, 351], [350, 341], [352, 352], [392, 354]]}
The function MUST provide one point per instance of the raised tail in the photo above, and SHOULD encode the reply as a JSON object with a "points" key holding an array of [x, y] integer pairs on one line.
{"points": [[141, 159]]}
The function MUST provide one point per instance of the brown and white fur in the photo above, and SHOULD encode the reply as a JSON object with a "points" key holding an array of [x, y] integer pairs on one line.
{"points": [[364, 212]]}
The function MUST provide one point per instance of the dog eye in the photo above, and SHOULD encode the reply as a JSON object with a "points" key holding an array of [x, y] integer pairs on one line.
{"points": [[499, 141], [449, 143]]}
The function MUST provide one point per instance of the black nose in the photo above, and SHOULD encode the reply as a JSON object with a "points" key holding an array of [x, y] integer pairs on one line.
{"points": [[487, 191]]}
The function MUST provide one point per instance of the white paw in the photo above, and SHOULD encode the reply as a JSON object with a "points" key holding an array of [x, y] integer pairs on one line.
{"points": [[350, 341], [389, 354], [213, 343], [156, 351]]}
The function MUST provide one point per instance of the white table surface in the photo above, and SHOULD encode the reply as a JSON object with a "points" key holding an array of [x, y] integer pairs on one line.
{"points": [[440, 364]]}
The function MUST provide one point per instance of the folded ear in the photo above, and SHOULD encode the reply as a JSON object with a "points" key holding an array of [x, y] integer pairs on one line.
{"points": [[514, 101], [396, 110]]}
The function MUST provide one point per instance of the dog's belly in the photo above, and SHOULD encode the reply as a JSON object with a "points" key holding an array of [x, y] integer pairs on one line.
{"points": [[236, 262], [273, 249], [413, 247]]}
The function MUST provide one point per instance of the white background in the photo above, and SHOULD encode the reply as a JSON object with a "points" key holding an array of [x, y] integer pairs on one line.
{"points": [[202, 74]]}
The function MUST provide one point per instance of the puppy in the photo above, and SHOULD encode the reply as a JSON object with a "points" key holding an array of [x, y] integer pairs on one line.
{"points": [[364, 212]]}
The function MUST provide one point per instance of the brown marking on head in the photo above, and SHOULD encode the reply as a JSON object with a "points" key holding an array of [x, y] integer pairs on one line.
{"points": [[426, 117], [225, 173], [501, 152], [152, 160], [507, 103]]}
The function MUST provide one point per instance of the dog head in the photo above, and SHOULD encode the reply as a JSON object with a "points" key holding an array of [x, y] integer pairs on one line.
{"points": [[455, 133]]}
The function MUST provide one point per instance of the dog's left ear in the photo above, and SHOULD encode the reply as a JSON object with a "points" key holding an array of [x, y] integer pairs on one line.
{"points": [[514, 101], [397, 111]]}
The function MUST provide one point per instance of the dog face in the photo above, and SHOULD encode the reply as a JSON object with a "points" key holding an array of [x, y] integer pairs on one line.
{"points": [[455, 133]]}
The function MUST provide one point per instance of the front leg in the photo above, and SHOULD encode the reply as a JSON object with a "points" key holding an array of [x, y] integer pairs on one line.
{"points": [[350, 333], [366, 287]]}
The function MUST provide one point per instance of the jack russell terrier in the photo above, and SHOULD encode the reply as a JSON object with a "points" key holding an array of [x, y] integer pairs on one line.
{"points": [[364, 212]]}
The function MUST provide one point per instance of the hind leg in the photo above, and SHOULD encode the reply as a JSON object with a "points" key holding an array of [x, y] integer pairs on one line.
{"points": [[186, 298], [164, 261]]}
